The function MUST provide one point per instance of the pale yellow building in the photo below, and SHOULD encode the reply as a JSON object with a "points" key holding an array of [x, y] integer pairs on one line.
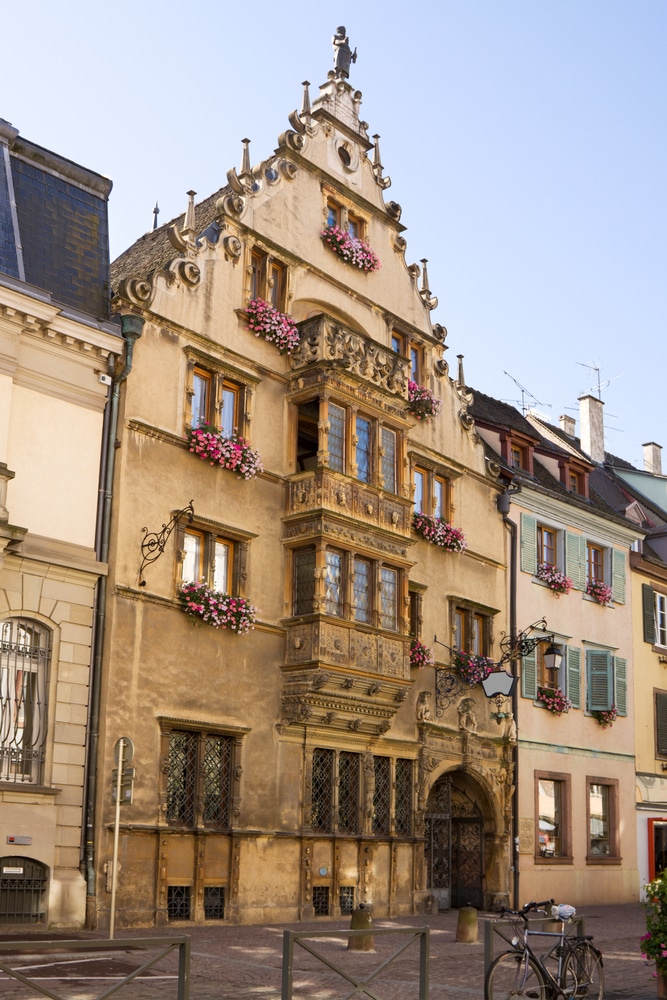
{"points": [[56, 345], [304, 767]]}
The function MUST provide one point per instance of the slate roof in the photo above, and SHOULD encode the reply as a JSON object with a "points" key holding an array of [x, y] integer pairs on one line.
{"points": [[153, 250], [486, 409]]}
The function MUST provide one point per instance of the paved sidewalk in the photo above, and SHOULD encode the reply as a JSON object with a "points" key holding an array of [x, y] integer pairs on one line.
{"points": [[245, 963]]}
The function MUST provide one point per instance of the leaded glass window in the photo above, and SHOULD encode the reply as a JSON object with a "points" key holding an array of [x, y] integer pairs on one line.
{"points": [[403, 808], [363, 450], [304, 581], [389, 599], [181, 775], [333, 583], [388, 465], [25, 653], [322, 790], [336, 438], [348, 792], [382, 796], [362, 590]]}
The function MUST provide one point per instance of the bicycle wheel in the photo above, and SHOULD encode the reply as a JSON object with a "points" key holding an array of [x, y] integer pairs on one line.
{"points": [[514, 974], [585, 963]]}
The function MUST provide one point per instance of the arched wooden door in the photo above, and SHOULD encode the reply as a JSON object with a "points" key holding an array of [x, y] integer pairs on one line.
{"points": [[454, 830]]}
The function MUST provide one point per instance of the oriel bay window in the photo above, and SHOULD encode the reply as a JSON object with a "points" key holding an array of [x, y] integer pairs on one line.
{"points": [[351, 443], [332, 581]]}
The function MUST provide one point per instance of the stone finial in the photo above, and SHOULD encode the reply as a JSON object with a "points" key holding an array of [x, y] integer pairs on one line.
{"points": [[189, 228], [460, 378], [156, 212], [424, 291], [245, 160], [305, 104]]}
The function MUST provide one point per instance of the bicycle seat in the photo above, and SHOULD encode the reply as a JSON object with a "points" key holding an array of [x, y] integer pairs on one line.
{"points": [[563, 911]]}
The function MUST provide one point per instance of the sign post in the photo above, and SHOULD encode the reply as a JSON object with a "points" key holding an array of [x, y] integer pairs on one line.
{"points": [[123, 753]]}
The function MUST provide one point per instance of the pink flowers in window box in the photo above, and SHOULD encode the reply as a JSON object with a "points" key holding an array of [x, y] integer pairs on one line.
{"points": [[218, 610], [351, 249], [554, 700], [422, 403], [471, 668], [439, 532], [601, 592], [555, 580], [232, 453], [264, 320], [420, 655], [606, 718]]}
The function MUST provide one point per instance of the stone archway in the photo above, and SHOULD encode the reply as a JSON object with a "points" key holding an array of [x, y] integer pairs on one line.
{"points": [[454, 831]]}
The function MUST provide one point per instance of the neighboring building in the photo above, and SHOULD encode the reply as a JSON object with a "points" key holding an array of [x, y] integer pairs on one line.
{"points": [[576, 782], [305, 767], [56, 345]]}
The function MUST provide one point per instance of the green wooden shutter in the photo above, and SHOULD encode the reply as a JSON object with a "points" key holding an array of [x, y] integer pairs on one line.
{"points": [[618, 575], [648, 612], [621, 684], [574, 675], [529, 676], [528, 543], [661, 723], [575, 560], [598, 680]]}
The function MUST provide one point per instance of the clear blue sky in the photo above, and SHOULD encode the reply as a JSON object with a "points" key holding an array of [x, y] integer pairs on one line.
{"points": [[525, 140]]}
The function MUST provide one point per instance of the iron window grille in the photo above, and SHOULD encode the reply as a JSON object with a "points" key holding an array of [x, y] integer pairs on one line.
{"points": [[199, 779], [321, 900], [403, 803], [178, 902], [346, 899], [25, 655], [214, 902], [382, 796]]}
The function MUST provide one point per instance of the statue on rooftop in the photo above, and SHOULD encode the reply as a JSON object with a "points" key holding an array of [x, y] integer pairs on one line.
{"points": [[343, 55]]}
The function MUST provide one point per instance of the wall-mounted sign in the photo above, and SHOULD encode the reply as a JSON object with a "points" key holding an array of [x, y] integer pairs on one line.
{"points": [[11, 839], [12, 871]]}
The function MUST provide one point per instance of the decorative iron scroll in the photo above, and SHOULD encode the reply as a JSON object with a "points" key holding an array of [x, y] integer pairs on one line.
{"points": [[448, 687], [154, 542]]}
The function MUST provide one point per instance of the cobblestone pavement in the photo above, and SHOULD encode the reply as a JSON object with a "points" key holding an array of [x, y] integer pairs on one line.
{"points": [[245, 963]]}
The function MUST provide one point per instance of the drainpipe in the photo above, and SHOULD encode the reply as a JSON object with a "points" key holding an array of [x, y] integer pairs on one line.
{"points": [[131, 329], [503, 502]]}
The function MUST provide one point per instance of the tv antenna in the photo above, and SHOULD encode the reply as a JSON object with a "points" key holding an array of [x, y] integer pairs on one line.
{"points": [[525, 392], [597, 368]]}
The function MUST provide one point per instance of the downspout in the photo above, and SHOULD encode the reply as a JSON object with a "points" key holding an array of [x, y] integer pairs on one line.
{"points": [[131, 329], [503, 502]]}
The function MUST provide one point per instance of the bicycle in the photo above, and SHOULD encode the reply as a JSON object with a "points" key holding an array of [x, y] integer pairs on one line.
{"points": [[571, 969]]}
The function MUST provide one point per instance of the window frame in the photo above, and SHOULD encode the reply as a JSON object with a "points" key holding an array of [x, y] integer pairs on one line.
{"points": [[267, 278], [436, 493], [596, 559], [338, 211], [614, 854], [465, 623], [543, 547], [332, 768], [564, 781], [223, 380], [199, 733], [211, 534]]}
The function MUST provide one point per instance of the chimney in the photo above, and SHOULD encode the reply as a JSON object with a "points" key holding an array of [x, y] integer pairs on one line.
{"points": [[567, 424], [591, 427], [653, 458]]}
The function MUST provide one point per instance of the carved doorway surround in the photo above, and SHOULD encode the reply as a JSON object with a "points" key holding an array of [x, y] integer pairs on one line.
{"points": [[454, 829]]}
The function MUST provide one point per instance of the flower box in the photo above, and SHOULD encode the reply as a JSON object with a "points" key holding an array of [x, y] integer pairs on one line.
{"points": [[218, 610], [422, 403], [264, 320], [554, 700], [600, 592], [606, 718], [420, 655], [439, 532], [471, 668], [557, 582], [350, 249], [232, 453]]}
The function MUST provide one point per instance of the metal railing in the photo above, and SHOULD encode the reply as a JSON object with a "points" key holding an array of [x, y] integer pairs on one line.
{"points": [[291, 938], [167, 944], [505, 930]]}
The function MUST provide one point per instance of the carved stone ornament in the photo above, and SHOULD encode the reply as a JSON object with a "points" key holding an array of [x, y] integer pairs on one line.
{"points": [[423, 707], [232, 246], [319, 680]]}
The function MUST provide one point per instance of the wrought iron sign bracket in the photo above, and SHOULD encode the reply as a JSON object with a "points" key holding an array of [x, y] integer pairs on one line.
{"points": [[154, 542]]}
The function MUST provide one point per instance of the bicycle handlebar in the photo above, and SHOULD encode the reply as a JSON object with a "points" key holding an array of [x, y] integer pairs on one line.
{"points": [[526, 908]]}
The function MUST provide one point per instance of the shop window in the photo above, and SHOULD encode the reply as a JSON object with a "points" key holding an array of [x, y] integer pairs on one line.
{"points": [[602, 819], [198, 779], [552, 816], [25, 656]]}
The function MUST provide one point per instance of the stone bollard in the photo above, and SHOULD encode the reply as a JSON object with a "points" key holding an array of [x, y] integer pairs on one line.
{"points": [[361, 921], [467, 930]]}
